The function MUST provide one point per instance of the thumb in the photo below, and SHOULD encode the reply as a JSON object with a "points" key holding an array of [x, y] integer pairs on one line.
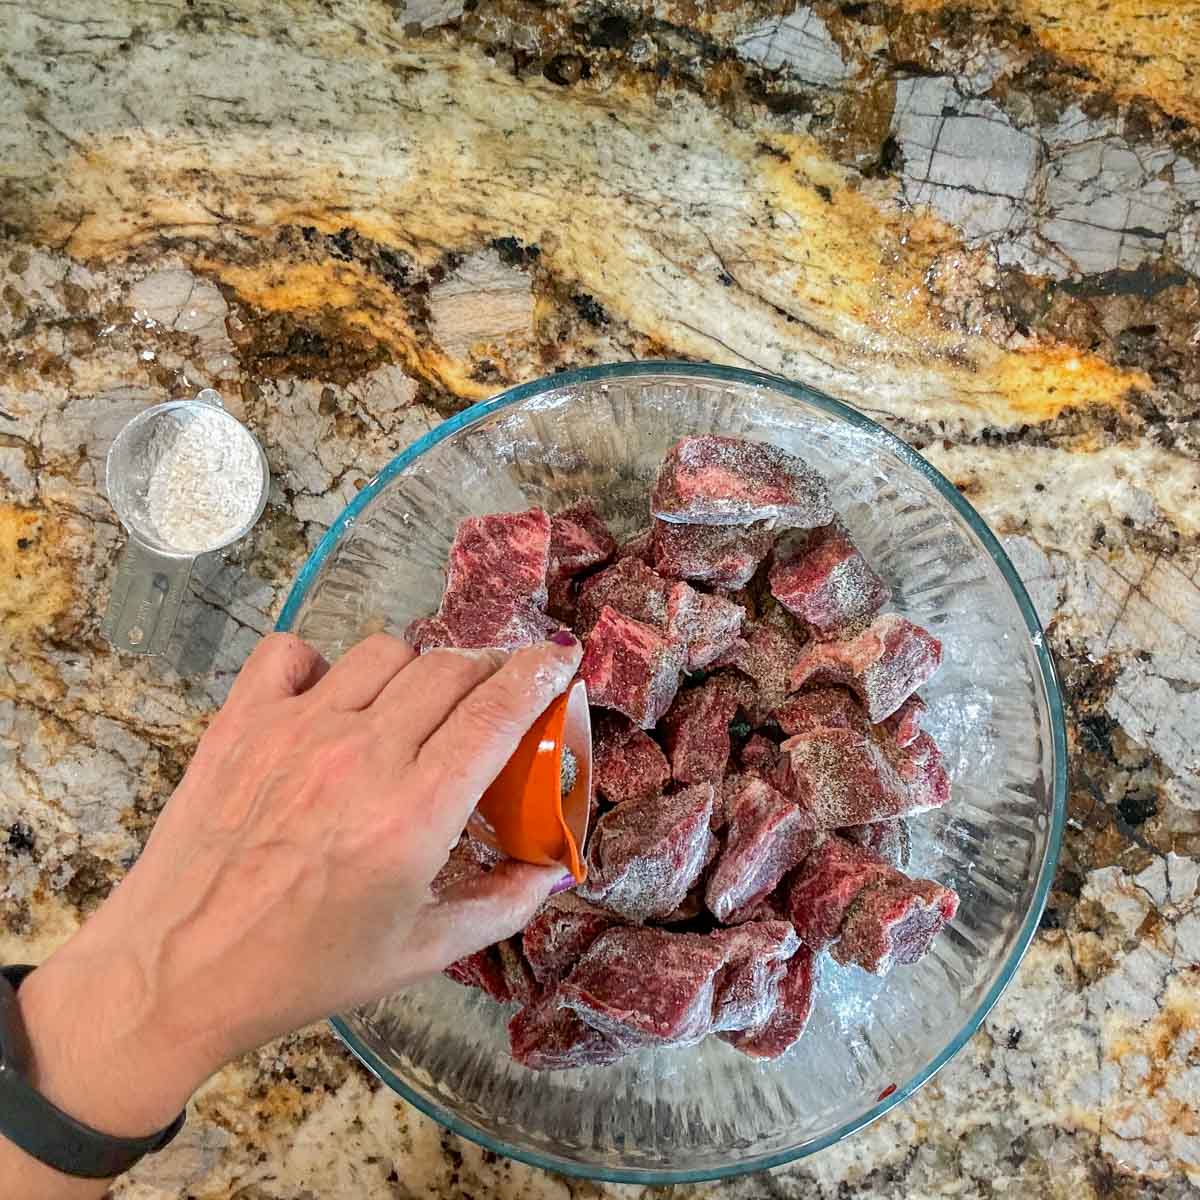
{"points": [[478, 912]]}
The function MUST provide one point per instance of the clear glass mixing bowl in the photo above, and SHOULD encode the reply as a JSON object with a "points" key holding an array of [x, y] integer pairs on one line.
{"points": [[707, 1111]]}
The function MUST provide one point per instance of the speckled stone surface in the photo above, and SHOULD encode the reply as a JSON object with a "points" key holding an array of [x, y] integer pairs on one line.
{"points": [[978, 221]]}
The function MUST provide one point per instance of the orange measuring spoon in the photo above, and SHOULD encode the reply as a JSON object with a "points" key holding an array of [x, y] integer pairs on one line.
{"points": [[525, 813]]}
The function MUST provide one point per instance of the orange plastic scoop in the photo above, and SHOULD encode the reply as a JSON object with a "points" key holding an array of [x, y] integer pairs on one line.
{"points": [[526, 813]]}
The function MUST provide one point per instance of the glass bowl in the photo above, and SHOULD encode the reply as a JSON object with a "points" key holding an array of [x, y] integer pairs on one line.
{"points": [[706, 1111]]}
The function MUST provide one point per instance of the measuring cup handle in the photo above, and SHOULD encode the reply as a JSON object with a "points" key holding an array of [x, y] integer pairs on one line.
{"points": [[145, 601]]}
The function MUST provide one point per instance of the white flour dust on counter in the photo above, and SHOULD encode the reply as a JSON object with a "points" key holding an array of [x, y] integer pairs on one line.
{"points": [[205, 481]]}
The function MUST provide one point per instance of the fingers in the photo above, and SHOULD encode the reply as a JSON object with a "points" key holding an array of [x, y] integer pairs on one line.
{"points": [[468, 751], [281, 665], [423, 697], [357, 678], [481, 911]]}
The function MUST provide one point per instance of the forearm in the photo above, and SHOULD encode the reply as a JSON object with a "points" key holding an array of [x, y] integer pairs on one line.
{"points": [[98, 1055]]}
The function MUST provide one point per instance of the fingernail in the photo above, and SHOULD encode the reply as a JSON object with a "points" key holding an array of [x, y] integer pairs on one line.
{"points": [[567, 881], [564, 637]]}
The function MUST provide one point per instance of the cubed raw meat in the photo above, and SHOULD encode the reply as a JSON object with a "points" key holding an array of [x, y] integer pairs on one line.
{"points": [[467, 861], [579, 540], [690, 907], [634, 590], [483, 970], [631, 667], [519, 982], [628, 765], [644, 855], [696, 731], [700, 626], [823, 708], [747, 987], [495, 585], [820, 894], [503, 554], [883, 665], [766, 654], [646, 987], [641, 545], [822, 578], [759, 757], [904, 724], [711, 480], [766, 838], [894, 921], [891, 840], [844, 777], [557, 938], [793, 1007], [547, 1037], [724, 556], [499, 623], [563, 602], [711, 628]]}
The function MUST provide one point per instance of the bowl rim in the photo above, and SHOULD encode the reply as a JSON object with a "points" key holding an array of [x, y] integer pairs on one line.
{"points": [[711, 372]]}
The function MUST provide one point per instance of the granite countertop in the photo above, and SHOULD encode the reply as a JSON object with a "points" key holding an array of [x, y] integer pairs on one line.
{"points": [[978, 220]]}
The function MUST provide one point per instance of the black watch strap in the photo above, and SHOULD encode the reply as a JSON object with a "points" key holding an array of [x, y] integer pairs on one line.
{"points": [[29, 1120]]}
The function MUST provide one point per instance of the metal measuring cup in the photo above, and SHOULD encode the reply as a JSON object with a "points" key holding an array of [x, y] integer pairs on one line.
{"points": [[152, 574]]}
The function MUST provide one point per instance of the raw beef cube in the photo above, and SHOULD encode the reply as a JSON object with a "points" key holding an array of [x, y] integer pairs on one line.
{"points": [[641, 546], [644, 855], [632, 589], [646, 987], [519, 982], [428, 633], [747, 988], [921, 766], [500, 623], [690, 907], [891, 840], [767, 655], [894, 922], [504, 554], [495, 586], [820, 894], [793, 1007], [483, 970], [882, 666], [848, 777], [579, 540], [467, 861], [823, 579], [905, 723], [629, 768], [712, 627], [759, 756], [696, 731], [766, 838], [563, 604], [631, 667], [710, 480], [722, 555], [724, 796], [824, 708], [700, 626], [557, 938], [545, 1037]]}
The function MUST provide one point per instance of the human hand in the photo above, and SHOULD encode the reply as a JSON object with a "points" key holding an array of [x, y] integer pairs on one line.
{"points": [[288, 877]]}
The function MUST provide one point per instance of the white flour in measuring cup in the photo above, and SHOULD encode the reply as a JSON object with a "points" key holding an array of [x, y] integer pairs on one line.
{"points": [[205, 481]]}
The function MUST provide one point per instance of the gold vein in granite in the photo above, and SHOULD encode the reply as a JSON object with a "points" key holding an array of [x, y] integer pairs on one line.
{"points": [[39, 588], [1133, 48], [706, 238]]}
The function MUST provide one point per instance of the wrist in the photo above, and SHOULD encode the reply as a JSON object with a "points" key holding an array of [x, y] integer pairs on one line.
{"points": [[98, 1047]]}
